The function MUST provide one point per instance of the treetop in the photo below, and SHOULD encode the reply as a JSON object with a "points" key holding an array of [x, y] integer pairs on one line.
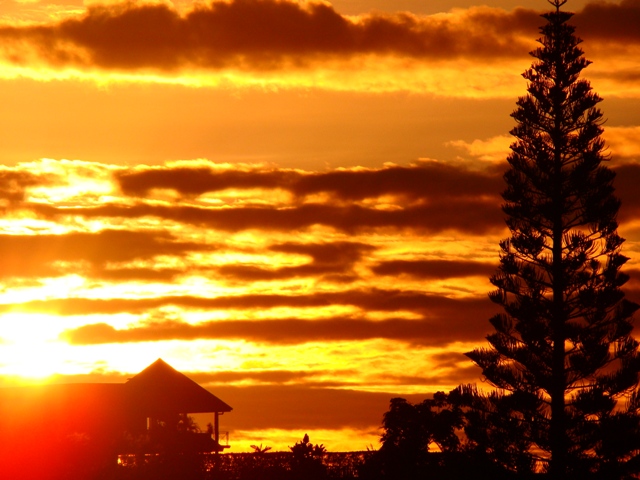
{"points": [[557, 3]]}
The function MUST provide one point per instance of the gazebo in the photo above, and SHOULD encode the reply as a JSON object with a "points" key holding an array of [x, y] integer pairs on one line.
{"points": [[159, 398], [47, 430]]}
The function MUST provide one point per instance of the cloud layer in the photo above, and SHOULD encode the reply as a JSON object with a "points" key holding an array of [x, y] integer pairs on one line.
{"points": [[311, 44], [336, 282]]}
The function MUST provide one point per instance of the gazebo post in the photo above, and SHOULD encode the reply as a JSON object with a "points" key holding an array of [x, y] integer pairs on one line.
{"points": [[216, 429]]}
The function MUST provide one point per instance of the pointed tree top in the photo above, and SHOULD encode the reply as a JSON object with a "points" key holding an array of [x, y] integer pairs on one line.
{"points": [[557, 3]]}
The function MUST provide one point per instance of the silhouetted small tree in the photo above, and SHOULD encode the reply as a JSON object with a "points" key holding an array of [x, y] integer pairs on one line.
{"points": [[259, 450], [405, 440], [429, 438], [410, 430], [307, 460], [260, 466], [562, 352]]}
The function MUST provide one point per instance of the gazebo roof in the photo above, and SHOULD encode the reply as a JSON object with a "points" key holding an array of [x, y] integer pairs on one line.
{"points": [[160, 388]]}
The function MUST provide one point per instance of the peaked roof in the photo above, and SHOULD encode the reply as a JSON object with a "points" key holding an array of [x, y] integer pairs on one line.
{"points": [[160, 388]]}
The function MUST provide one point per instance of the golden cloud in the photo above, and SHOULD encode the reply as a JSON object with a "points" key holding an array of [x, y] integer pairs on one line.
{"points": [[624, 143]]}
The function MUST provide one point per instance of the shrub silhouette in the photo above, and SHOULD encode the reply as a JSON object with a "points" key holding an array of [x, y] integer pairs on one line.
{"points": [[306, 461]]}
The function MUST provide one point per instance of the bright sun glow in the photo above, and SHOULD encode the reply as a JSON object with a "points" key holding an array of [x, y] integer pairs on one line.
{"points": [[30, 346]]}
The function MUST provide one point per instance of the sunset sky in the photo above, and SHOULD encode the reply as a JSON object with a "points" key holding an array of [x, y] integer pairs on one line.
{"points": [[296, 204]]}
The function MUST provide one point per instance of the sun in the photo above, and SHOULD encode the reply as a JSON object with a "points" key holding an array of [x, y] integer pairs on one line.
{"points": [[29, 368], [29, 346]]}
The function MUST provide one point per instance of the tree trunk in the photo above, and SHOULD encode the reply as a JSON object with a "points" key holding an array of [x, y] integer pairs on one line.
{"points": [[557, 430]]}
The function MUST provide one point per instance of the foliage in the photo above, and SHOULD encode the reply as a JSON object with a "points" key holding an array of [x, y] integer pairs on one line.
{"points": [[304, 449], [414, 428], [429, 437], [259, 449], [186, 423], [277, 466], [308, 463], [307, 459], [260, 466], [561, 355]]}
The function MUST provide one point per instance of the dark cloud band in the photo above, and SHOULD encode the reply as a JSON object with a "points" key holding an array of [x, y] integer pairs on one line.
{"points": [[268, 34], [264, 34]]}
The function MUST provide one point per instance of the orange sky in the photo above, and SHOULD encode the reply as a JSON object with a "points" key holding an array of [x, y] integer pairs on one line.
{"points": [[296, 204]]}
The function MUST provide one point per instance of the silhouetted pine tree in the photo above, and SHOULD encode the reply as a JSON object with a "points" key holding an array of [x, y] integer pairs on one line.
{"points": [[562, 355]]}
